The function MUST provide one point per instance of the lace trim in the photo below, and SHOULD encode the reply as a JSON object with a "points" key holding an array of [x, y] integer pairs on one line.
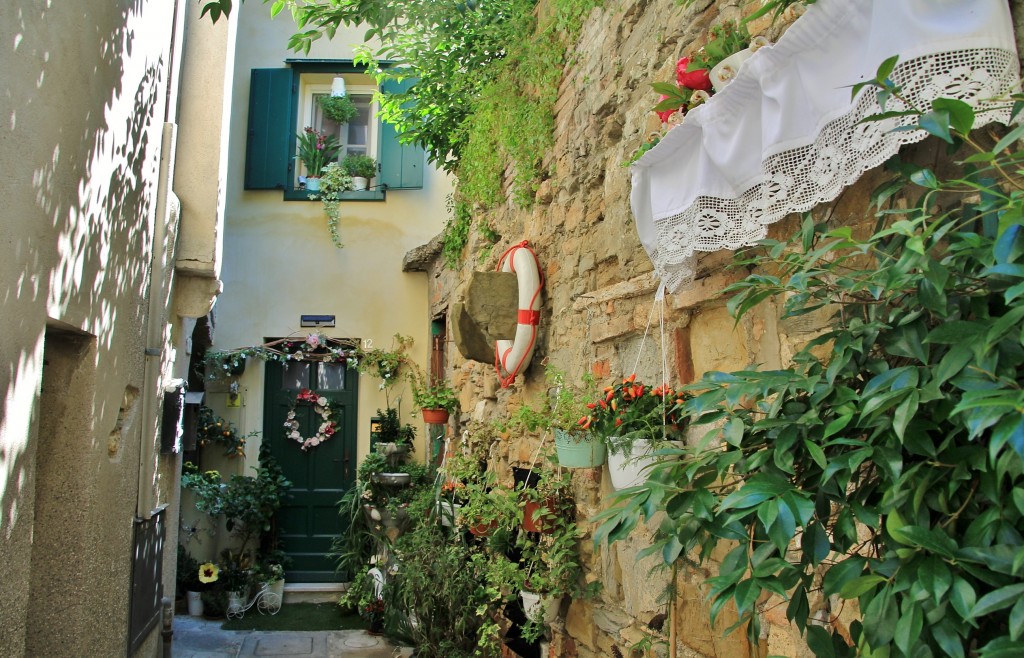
{"points": [[796, 180]]}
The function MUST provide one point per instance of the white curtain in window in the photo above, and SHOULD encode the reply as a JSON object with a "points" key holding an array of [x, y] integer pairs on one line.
{"points": [[785, 135]]}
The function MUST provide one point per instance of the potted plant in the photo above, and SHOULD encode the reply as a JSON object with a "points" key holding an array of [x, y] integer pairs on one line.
{"points": [[394, 438], [334, 181], [339, 109], [361, 168], [635, 421], [561, 411], [316, 149], [436, 401], [550, 558], [188, 582]]}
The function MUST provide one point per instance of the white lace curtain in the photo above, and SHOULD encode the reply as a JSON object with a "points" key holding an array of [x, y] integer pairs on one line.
{"points": [[785, 136]]}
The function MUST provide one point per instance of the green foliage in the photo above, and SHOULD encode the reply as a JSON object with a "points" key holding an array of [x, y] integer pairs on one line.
{"points": [[334, 181], [357, 164], [211, 428], [391, 429], [456, 234], [316, 149], [888, 457], [339, 109], [247, 503], [468, 59], [186, 573], [725, 39]]}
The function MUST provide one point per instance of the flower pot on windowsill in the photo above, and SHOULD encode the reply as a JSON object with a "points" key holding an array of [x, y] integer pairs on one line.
{"points": [[579, 449], [312, 183], [435, 416], [360, 184]]}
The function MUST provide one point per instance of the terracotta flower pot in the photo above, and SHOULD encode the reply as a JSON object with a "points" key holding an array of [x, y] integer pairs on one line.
{"points": [[435, 416], [534, 522]]}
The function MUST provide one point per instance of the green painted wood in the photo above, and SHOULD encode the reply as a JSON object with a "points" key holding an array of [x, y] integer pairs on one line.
{"points": [[401, 165], [320, 476], [271, 99]]}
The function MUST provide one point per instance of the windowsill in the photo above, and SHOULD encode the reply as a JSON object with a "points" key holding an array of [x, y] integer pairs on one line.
{"points": [[367, 195]]}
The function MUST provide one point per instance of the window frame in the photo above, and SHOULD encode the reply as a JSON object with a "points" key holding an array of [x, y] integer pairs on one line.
{"points": [[273, 124], [302, 96]]}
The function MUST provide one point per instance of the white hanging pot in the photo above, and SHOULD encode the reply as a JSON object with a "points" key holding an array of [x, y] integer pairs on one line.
{"points": [[630, 468], [539, 605]]}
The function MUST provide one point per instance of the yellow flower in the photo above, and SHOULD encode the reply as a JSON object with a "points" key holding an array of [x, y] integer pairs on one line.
{"points": [[208, 572]]}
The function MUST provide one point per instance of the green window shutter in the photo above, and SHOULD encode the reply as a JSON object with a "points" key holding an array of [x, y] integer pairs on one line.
{"points": [[267, 163], [401, 165]]}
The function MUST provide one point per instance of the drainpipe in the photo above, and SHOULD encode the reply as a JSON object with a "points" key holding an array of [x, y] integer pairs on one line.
{"points": [[151, 378]]}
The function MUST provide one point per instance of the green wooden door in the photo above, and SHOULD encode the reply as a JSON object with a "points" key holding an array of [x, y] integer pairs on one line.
{"points": [[308, 520]]}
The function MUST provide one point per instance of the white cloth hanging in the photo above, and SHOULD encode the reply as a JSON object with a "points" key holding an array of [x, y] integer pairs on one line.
{"points": [[785, 136]]}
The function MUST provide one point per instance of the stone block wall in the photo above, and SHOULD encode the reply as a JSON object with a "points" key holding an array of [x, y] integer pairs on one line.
{"points": [[597, 313]]}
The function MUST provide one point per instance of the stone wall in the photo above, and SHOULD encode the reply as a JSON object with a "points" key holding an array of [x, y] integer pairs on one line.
{"points": [[597, 311]]}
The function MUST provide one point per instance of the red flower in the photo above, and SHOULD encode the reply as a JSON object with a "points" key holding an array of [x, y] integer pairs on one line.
{"points": [[697, 79], [664, 115]]}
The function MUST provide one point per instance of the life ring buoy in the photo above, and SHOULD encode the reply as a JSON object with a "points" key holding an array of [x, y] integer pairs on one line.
{"points": [[513, 356]]}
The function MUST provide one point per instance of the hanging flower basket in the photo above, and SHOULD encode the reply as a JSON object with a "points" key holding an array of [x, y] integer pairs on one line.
{"points": [[579, 449], [435, 416]]}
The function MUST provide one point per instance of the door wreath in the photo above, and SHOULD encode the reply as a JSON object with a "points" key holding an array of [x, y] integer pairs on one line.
{"points": [[321, 406]]}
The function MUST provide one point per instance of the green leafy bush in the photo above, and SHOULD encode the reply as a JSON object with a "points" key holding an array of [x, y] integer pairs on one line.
{"points": [[885, 465]]}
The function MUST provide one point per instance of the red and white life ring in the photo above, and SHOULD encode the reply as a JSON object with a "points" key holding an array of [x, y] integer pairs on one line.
{"points": [[513, 356]]}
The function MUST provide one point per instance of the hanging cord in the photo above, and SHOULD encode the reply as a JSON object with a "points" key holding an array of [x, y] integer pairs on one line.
{"points": [[659, 303]]}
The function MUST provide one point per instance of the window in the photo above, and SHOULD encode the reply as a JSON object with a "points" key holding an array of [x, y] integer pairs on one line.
{"points": [[282, 102], [359, 135]]}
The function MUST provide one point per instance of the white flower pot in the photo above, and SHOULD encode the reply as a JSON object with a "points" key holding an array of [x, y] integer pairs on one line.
{"points": [[448, 512], [630, 469], [312, 184], [195, 603], [359, 183], [536, 604]]}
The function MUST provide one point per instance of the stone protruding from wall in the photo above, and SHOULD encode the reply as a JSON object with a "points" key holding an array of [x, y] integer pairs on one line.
{"points": [[488, 314]]}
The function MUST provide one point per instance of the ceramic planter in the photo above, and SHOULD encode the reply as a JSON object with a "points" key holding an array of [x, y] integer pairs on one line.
{"points": [[447, 512], [579, 449], [359, 183], [539, 605], [435, 416], [195, 603], [312, 184], [533, 522], [630, 468]]}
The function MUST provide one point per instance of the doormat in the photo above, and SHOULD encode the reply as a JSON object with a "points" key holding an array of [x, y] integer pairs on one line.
{"points": [[297, 617]]}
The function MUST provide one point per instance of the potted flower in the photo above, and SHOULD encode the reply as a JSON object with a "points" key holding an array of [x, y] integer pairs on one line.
{"points": [[436, 400], [361, 168], [635, 421], [339, 109], [316, 149]]}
